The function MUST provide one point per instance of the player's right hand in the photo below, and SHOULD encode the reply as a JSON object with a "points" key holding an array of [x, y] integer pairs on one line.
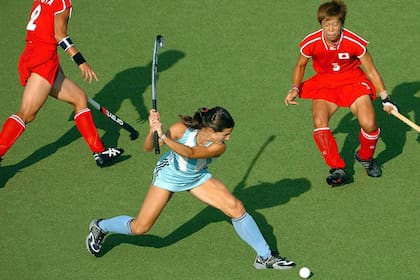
{"points": [[291, 96], [154, 122]]}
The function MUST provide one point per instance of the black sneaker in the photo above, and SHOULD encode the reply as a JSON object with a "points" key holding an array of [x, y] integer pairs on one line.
{"points": [[337, 177], [106, 157], [273, 262], [95, 238], [373, 169]]}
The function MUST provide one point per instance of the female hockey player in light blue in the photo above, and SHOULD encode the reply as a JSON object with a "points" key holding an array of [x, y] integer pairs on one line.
{"points": [[194, 142]]}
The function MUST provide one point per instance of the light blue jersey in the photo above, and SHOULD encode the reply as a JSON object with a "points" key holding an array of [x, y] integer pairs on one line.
{"points": [[176, 173]]}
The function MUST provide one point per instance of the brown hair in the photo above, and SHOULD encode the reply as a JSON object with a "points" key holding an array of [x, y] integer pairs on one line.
{"points": [[332, 9], [216, 118]]}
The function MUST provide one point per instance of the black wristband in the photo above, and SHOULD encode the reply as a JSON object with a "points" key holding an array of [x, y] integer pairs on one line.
{"points": [[66, 43], [78, 58]]}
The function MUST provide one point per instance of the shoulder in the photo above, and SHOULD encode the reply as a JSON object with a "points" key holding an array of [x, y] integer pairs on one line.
{"points": [[310, 43], [353, 37], [312, 37], [177, 130], [60, 6]]}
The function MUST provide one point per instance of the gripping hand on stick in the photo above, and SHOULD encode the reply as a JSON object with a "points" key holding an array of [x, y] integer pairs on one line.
{"points": [[389, 105], [154, 122], [154, 126]]}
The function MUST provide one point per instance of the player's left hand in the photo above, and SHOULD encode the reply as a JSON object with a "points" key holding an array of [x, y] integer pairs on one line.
{"points": [[389, 105], [87, 72]]}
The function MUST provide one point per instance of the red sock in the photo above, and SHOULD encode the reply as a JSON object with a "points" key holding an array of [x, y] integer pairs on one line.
{"points": [[368, 143], [12, 129], [328, 147], [86, 127]]}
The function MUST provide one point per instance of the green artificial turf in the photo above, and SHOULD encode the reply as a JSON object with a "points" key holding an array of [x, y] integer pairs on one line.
{"points": [[238, 54]]}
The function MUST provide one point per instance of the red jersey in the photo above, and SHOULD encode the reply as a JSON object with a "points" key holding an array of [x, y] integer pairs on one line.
{"points": [[339, 78], [40, 28], [338, 59]]}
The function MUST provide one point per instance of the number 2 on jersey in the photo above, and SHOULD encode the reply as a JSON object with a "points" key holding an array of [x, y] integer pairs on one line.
{"points": [[34, 16]]}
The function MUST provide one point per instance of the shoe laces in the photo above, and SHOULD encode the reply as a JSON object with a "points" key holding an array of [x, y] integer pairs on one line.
{"points": [[111, 152], [368, 164], [97, 233], [338, 172], [274, 259]]}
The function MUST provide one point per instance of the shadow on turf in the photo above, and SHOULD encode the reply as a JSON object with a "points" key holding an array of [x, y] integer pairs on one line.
{"points": [[261, 196], [393, 131], [7, 172], [129, 84]]}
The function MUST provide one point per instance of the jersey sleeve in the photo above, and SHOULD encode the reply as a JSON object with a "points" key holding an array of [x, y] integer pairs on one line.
{"points": [[308, 43], [61, 5], [306, 49], [359, 44]]}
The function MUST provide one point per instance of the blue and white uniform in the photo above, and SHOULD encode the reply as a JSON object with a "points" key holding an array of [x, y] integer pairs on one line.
{"points": [[176, 173]]}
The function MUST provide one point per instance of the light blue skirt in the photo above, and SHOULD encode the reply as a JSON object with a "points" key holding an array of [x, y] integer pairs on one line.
{"points": [[167, 177]]}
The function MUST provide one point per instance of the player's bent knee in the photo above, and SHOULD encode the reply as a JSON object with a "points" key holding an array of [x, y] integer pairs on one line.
{"points": [[319, 122], [234, 208]]}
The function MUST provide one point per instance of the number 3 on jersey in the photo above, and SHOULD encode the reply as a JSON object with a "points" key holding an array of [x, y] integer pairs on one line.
{"points": [[34, 16]]}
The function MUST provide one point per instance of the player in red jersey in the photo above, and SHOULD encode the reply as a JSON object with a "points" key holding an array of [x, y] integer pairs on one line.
{"points": [[337, 54], [41, 75]]}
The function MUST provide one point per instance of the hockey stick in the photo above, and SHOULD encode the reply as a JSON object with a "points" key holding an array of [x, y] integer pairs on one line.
{"points": [[159, 42], [406, 120], [134, 134]]}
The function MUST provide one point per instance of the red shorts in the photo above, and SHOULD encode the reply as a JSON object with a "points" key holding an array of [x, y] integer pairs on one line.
{"points": [[38, 58], [342, 89]]}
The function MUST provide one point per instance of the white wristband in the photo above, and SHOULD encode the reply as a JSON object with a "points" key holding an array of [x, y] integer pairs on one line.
{"points": [[294, 88], [382, 93]]}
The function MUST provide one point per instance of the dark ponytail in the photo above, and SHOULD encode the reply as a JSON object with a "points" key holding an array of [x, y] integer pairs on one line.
{"points": [[216, 118]]}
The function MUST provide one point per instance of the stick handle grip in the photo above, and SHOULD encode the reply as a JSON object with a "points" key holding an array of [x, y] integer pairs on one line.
{"points": [[156, 142], [406, 120], [155, 134]]}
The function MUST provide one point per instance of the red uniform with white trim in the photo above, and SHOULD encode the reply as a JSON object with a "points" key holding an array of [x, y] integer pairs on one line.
{"points": [[40, 54], [46, 25], [339, 78]]}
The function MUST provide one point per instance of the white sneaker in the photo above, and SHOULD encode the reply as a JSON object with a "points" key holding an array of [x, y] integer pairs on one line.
{"points": [[274, 262], [95, 238]]}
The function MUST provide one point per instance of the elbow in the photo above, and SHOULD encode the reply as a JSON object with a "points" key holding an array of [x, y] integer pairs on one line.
{"points": [[188, 153], [373, 75], [147, 149], [59, 36]]}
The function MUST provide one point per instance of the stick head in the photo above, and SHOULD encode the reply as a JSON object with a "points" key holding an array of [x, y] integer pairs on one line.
{"points": [[160, 41]]}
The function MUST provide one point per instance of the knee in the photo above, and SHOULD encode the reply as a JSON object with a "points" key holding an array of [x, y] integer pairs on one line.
{"points": [[80, 102], [138, 228], [369, 127], [234, 208], [75, 97], [319, 122]]}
